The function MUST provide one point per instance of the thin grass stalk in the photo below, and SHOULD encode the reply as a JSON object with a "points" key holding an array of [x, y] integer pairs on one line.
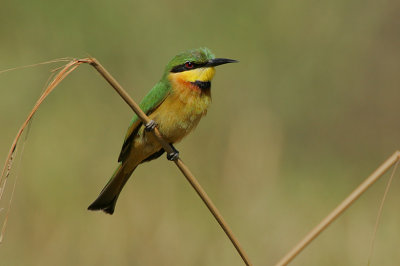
{"points": [[71, 66], [375, 176], [371, 249], [64, 72]]}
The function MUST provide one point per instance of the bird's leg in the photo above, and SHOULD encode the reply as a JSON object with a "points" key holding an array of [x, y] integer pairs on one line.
{"points": [[173, 155], [150, 126]]}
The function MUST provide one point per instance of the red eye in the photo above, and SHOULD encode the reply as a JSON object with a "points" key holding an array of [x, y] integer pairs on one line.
{"points": [[189, 65]]}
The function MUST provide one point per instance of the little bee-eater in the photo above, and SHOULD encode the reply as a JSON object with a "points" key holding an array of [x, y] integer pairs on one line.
{"points": [[175, 106]]}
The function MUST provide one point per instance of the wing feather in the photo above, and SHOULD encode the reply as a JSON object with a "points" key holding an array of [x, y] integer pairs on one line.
{"points": [[149, 103]]}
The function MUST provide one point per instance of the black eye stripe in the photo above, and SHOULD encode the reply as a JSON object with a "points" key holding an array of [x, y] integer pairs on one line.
{"points": [[181, 68]]}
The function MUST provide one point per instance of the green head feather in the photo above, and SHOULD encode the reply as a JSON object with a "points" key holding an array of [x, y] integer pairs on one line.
{"points": [[199, 56]]}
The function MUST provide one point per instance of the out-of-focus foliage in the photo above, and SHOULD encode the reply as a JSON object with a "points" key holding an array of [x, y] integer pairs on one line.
{"points": [[311, 109]]}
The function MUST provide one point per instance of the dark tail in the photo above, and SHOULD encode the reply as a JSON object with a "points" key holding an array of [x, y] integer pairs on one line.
{"points": [[108, 196]]}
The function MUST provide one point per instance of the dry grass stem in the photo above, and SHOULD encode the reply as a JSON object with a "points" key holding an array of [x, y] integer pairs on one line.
{"points": [[340, 208], [371, 249], [65, 59], [68, 68], [3, 229]]}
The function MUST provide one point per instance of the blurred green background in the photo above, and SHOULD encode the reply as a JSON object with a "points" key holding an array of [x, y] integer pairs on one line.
{"points": [[308, 113]]}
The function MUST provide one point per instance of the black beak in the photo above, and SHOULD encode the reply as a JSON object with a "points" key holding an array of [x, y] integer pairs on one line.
{"points": [[219, 61]]}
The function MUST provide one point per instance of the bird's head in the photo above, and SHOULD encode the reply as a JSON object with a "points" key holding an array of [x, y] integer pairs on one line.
{"points": [[194, 67]]}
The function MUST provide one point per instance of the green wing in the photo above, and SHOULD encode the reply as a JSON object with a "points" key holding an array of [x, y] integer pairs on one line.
{"points": [[149, 103]]}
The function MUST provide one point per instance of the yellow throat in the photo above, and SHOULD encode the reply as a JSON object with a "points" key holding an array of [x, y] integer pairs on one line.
{"points": [[202, 74]]}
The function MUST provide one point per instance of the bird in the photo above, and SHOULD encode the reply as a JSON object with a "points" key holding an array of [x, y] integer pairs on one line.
{"points": [[175, 106]]}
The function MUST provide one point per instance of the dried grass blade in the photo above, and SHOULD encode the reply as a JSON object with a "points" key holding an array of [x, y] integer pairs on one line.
{"points": [[68, 68]]}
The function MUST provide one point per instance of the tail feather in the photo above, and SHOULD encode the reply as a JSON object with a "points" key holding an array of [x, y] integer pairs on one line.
{"points": [[108, 196]]}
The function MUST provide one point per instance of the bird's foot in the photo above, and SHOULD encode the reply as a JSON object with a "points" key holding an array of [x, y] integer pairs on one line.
{"points": [[173, 156], [150, 126]]}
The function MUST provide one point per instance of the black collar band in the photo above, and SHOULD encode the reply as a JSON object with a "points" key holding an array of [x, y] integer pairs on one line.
{"points": [[204, 85]]}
